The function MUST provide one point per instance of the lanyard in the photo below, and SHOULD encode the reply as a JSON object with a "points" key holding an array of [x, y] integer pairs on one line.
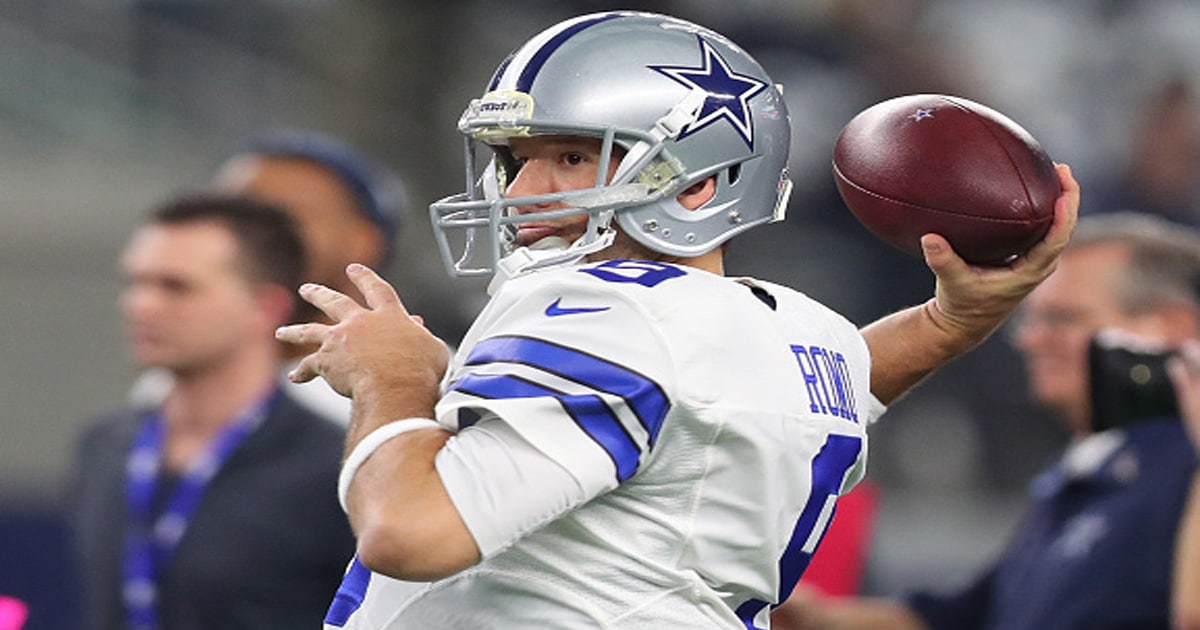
{"points": [[150, 540]]}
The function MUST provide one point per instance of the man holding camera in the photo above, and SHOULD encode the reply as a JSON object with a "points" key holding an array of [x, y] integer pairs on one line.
{"points": [[1098, 546]]}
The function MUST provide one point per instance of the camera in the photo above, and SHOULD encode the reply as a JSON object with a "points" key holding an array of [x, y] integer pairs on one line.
{"points": [[1128, 381]]}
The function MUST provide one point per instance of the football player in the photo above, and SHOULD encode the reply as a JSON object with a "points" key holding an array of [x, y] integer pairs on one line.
{"points": [[626, 437]]}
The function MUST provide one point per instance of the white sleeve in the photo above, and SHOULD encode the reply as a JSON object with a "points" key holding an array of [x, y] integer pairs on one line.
{"points": [[589, 390], [875, 408], [488, 470]]}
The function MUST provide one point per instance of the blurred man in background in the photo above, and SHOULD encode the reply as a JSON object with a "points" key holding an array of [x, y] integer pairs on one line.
{"points": [[346, 206], [347, 209], [214, 507], [1097, 549]]}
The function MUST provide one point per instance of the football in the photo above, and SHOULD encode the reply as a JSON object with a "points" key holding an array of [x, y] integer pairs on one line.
{"points": [[926, 163]]}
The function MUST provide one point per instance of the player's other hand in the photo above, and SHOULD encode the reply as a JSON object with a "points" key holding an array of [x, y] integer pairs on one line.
{"points": [[970, 301], [377, 353]]}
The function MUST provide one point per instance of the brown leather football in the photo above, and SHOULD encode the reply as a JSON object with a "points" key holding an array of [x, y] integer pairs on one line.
{"points": [[926, 163]]}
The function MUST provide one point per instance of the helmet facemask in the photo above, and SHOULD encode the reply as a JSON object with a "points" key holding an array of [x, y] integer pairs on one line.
{"points": [[486, 222]]}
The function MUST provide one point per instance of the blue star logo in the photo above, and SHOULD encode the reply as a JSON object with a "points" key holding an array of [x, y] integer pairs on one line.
{"points": [[921, 114], [728, 92]]}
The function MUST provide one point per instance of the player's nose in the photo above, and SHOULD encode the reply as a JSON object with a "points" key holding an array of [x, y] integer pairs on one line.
{"points": [[533, 178]]}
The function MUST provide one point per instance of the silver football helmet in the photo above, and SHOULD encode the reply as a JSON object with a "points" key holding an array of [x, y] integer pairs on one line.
{"points": [[683, 103]]}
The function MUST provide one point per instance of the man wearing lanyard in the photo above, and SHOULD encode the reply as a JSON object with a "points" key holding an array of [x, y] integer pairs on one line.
{"points": [[346, 207], [215, 508]]}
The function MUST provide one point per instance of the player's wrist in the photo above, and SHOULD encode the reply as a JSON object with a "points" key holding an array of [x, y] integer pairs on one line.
{"points": [[955, 333], [386, 398], [370, 443]]}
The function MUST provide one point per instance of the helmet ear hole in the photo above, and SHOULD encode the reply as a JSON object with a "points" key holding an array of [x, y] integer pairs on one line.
{"points": [[734, 173], [507, 165]]}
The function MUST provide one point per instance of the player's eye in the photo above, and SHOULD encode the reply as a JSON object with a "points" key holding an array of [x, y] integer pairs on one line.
{"points": [[574, 159]]}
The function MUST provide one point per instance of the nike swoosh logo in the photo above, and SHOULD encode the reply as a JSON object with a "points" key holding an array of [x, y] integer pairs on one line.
{"points": [[554, 310]]}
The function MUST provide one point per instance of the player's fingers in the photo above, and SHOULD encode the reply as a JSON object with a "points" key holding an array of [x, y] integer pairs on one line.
{"points": [[1044, 255], [1066, 208], [304, 371], [376, 291], [940, 256], [334, 304], [302, 334]]}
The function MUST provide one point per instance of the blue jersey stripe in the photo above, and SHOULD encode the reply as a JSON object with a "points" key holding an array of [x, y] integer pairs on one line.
{"points": [[645, 398], [829, 467], [350, 594], [500, 386], [589, 411], [539, 58]]}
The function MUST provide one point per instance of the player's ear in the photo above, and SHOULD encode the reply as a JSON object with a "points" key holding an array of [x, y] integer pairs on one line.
{"points": [[698, 194]]}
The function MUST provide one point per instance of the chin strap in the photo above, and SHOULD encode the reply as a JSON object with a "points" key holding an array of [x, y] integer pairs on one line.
{"points": [[554, 251], [551, 251]]}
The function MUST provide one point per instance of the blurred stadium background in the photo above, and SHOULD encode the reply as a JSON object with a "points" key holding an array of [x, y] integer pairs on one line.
{"points": [[108, 106]]}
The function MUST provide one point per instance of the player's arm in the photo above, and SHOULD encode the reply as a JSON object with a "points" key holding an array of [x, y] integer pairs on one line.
{"points": [[405, 523], [969, 303], [391, 366], [421, 499]]}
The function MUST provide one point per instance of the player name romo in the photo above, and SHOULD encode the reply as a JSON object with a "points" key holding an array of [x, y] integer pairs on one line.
{"points": [[827, 381]]}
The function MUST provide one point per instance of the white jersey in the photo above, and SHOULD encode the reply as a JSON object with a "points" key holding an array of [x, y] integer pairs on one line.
{"points": [[706, 426]]}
